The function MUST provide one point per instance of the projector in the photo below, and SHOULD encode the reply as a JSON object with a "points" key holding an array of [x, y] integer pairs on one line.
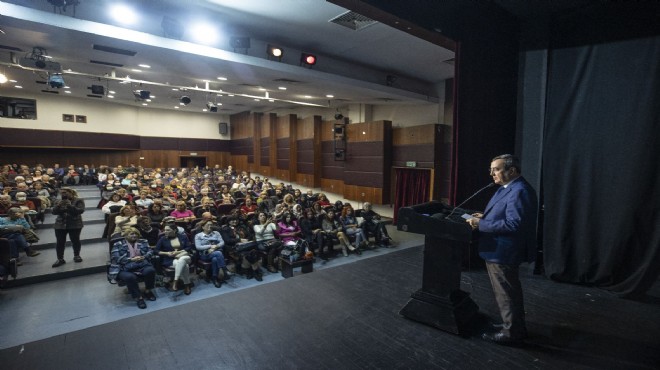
{"points": [[40, 64], [212, 107], [142, 94]]}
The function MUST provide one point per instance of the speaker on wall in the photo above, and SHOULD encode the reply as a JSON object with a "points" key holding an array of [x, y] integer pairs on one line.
{"points": [[222, 128]]}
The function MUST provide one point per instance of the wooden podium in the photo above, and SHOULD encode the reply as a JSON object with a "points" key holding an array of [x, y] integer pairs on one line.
{"points": [[440, 302]]}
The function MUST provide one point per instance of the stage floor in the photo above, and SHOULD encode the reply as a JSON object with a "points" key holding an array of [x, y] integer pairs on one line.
{"points": [[347, 317]]}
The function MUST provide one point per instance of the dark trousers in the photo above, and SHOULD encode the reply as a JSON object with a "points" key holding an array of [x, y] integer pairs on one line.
{"points": [[60, 235], [509, 298], [16, 241], [131, 280]]}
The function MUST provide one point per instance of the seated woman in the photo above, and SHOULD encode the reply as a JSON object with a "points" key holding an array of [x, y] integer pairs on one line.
{"points": [[129, 257], [249, 208], [175, 250], [144, 201], [125, 219], [225, 197], [147, 230], [288, 230], [156, 213], [206, 205], [350, 224], [298, 212], [209, 245], [312, 232], [42, 193], [115, 201], [318, 210], [265, 235], [288, 200], [181, 213], [323, 201], [332, 232]]}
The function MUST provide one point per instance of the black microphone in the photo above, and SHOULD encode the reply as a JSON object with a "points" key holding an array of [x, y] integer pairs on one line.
{"points": [[468, 199]]}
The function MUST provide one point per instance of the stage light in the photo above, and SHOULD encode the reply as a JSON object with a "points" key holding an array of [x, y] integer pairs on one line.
{"points": [[185, 100], [56, 81], [97, 89], [275, 52], [142, 94], [204, 33], [123, 14], [212, 107], [307, 60], [3, 78]]}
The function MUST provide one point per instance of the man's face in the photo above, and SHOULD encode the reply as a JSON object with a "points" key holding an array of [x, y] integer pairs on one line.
{"points": [[499, 174]]}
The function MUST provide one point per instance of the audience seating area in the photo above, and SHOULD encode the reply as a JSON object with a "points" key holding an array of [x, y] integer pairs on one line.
{"points": [[150, 199]]}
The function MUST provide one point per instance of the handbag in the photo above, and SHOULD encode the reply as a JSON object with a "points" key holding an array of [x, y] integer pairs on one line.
{"points": [[245, 247]]}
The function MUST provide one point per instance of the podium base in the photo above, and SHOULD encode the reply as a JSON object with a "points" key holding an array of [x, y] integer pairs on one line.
{"points": [[452, 314]]}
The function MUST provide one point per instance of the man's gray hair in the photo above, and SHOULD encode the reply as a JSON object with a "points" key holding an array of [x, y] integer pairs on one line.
{"points": [[510, 161]]}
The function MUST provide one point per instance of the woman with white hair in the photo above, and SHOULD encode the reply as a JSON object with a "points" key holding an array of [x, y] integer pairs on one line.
{"points": [[69, 221]]}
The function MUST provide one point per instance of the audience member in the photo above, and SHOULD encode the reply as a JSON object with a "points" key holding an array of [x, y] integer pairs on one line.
{"points": [[209, 244], [175, 251], [69, 221]]}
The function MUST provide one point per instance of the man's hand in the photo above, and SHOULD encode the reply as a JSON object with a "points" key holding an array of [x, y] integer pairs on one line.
{"points": [[478, 215], [474, 222]]}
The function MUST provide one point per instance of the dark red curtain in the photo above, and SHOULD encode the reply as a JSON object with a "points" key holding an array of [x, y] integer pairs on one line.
{"points": [[413, 186]]}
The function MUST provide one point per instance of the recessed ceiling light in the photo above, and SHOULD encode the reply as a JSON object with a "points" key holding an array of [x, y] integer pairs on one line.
{"points": [[329, 96], [13, 81], [257, 99], [136, 70], [144, 65], [111, 96], [176, 107], [152, 96], [66, 87], [262, 89], [145, 104], [175, 89], [222, 78], [123, 14], [230, 95], [271, 100], [307, 97], [18, 86], [219, 104], [67, 92], [282, 88], [148, 100], [111, 92], [204, 110]]}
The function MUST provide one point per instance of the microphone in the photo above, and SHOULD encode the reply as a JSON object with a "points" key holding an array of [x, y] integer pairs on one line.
{"points": [[468, 199]]}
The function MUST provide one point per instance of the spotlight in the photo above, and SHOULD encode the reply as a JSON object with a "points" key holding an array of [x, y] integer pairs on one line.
{"points": [[307, 60], [185, 100], [56, 81], [275, 52], [97, 89], [142, 94], [211, 107]]}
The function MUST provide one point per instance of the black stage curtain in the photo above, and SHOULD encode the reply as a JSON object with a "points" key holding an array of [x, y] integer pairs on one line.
{"points": [[601, 166]]}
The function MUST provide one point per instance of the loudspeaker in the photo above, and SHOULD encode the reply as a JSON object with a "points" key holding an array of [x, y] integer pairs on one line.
{"points": [[222, 128], [97, 89]]}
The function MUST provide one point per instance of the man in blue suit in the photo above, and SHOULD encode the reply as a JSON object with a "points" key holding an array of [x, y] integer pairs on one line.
{"points": [[507, 238]]}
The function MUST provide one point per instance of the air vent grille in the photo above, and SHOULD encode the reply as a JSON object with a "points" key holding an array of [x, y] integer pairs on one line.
{"points": [[353, 20], [110, 49], [106, 63]]}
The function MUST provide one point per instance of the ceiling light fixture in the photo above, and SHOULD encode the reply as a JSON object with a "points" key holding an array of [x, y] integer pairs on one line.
{"points": [[274, 52], [185, 100], [3, 78], [307, 60], [123, 14]]}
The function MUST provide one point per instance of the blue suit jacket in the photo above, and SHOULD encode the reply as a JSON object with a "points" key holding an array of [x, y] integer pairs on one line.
{"points": [[508, 227]]}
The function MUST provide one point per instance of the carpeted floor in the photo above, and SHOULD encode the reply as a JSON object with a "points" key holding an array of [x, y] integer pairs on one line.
{"points": [[347, 318]]}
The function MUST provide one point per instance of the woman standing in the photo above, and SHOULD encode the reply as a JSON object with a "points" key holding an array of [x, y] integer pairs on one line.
{"points": [[69, 212]]}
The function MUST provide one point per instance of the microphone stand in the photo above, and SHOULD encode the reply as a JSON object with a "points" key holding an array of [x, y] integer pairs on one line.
{"points": [[468, 199]]}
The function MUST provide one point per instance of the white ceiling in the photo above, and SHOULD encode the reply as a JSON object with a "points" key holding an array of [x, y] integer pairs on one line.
{"points": [[353, 65]]}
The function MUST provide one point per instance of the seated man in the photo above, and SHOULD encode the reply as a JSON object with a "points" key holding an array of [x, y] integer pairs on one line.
{"points": [[373, 225], [13, 228]]}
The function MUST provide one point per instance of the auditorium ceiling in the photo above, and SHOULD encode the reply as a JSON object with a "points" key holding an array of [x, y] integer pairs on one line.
{"points": [[103, 59]]}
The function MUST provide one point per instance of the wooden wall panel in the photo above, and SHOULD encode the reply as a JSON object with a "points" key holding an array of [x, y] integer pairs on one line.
{"points": [[332, 186], [305, 128], [306, 180], [366, 132], [242, 125]]}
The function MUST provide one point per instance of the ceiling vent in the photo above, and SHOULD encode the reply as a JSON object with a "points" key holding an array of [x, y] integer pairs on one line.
{"points": [[110, 49], [287, 81], [353, 20]]}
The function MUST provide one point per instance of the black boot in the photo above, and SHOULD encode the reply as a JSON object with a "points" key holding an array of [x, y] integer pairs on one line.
{"points": [[258, 275]]}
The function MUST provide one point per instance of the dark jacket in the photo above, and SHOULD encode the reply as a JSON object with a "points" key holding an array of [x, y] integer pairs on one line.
{"points": [[165, 245], [69, 215]]}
